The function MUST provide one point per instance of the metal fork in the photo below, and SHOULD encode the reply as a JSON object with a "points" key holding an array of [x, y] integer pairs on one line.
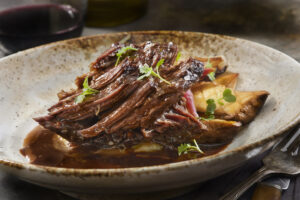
{"points": [[283, 159]]}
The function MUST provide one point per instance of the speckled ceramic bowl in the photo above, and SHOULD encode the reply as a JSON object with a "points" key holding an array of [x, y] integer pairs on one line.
{"points": [[29, 81]]}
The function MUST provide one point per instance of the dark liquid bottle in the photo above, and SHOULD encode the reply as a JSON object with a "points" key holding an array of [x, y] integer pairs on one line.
{"points": [[28, 26], [108, 13]]}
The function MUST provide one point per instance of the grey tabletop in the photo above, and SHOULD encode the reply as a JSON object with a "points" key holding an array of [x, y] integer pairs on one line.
{"points": [[275, 23]]}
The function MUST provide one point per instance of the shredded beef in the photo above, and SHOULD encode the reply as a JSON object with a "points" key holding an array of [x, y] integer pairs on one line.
{"points": [[126, 110]]}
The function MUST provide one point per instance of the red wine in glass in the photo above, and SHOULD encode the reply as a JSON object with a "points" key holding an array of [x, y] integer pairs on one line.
{"points": [[32, 25]]}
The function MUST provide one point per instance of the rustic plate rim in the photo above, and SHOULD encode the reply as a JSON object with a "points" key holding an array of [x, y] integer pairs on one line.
{"points": [[154, 168]]}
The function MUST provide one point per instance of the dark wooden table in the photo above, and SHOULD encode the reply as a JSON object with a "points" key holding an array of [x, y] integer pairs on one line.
{"points": [[275, 23]]}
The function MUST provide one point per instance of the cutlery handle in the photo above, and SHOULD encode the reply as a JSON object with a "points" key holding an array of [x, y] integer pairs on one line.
{"points": [[236, 192], [266, 192]]}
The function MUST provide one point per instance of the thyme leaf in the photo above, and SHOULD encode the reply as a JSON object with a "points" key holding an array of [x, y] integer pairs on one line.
{"points": [[147, 71], [178, 56], [122, 51], [185, 148], [86, 91], [211, 75]]}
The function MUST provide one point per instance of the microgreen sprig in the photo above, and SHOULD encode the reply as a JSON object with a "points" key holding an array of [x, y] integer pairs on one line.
{"points": [[210, 110], [210, 117], [227, 96], [178, 56], [208, 64], [147, 71], [159, 63], [87, 90], [122, 51], [185, 148], [210, 75], [211, 107]]}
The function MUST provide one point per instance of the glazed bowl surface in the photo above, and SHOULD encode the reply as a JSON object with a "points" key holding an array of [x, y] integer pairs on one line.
{"points": [[29, 81]]}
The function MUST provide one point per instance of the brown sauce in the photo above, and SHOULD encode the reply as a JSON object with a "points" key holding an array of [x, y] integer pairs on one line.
{"points": [[43, 147]]}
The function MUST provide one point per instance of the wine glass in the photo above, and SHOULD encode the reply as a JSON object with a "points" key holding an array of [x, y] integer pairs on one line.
{"points": [[28, 23]]}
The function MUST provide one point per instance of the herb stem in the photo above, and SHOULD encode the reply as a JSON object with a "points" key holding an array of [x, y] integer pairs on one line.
{"points": [[161, 78], [197, 147], [185, 148], [122, 51], [147, 71], [86, 91]]}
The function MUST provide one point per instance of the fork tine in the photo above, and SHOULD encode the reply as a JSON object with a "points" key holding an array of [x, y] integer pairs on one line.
{"points": [[295, 153], [291, 139], [295, 144]]}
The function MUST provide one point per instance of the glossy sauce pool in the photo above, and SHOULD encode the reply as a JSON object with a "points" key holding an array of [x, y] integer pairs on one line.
{"points": [[43, 147]]}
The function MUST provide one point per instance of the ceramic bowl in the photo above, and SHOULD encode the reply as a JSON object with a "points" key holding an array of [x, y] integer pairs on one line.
{"points": [[29, 81]]}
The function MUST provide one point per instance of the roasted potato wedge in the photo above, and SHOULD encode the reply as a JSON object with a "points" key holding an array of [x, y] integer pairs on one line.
{"points": [[227, 79], [244, 109], [206, 91], [219, 130], [213, 90]]}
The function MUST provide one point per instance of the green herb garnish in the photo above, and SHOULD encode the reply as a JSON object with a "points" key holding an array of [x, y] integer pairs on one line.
{"points": [[208, 64], [122, 51], [148, 71], [178, 56], [211, 107], [85, 91], [210, 110], [159, 63], [227, 96], [220, 102], [209, 117], [210, 75], [185, 148]]}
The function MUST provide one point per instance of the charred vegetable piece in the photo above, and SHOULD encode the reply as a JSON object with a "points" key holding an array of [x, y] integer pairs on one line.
{"points": [[228, 79], [218, 63], [219, 130], [244, 105]]}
